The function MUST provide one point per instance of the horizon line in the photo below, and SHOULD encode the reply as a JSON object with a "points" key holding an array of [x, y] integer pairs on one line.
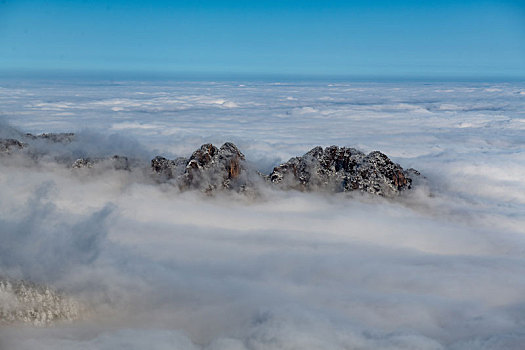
{"points": [[156, 75]]}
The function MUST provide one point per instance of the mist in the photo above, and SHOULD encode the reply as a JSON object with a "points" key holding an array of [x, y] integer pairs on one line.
{"points": [[441, 266]]}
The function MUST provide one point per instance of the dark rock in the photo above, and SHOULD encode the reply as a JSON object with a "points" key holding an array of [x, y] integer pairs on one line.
{"points": [[342, 169], [333, 169], [7, 145], [209, 168], [167, 169]]}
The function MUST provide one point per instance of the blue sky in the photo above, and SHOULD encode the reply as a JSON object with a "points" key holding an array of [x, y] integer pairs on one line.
{"points": [[316, 38]]}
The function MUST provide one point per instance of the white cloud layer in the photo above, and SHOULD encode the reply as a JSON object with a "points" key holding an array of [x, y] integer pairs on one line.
{"points": [[442, 267]]}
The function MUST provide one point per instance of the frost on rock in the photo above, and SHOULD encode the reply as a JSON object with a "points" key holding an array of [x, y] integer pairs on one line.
{"points": [[24, 302], [341, 169], [333, 169], [7, 145], [209, 168], [166, 169], [83, 163]]}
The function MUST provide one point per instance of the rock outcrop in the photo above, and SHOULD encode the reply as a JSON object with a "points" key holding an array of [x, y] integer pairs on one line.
{"points": [[24, 302], [166, 169], [332, 169], [209, 168], [7, 145], [341, 169]]}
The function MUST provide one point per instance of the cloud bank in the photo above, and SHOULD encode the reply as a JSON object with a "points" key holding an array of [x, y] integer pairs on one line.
{"points": [[440, 267]]}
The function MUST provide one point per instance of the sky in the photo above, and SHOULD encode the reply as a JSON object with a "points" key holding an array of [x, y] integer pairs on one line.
{"points": [[469, 39]]}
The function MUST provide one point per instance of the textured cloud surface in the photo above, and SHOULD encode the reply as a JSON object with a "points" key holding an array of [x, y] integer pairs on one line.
{"points": [[441, 267]]}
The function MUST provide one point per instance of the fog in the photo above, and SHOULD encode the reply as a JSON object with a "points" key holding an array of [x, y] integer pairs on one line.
{"points": [[442, 266]]}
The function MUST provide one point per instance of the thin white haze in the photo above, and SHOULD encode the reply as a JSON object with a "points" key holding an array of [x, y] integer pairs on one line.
{"points": [[440, 267]]}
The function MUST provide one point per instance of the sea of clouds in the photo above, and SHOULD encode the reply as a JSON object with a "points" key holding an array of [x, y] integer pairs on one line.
{"points": [[440, 267]]}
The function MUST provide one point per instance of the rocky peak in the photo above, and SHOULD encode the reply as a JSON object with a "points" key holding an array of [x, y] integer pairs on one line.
{"points": [[204, 155], [342, 169], [231, 157], [335, 169], [211, 168], [7, 145], [332, 169]]}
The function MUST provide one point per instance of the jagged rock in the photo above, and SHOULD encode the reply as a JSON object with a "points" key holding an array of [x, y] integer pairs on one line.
{"points": [[117, 162], [335, 169], [83, 163], [209, 168], [65, 137], [7, 145], [342, 169], [24, 302], [168, 169]]}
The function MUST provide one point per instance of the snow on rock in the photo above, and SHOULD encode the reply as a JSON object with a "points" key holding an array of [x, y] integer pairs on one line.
{"points": [[341, 169], [25, 302]]}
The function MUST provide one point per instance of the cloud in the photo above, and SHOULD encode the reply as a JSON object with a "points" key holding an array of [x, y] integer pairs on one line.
{"points": [[40, 243], [440, 267]]}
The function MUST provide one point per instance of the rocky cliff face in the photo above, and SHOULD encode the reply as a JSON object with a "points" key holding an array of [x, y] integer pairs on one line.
{"points": [[24, 302]]}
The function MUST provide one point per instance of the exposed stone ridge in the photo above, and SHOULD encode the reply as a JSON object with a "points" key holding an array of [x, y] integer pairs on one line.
{"points": [[335, 169], [332, 169], [24, 302], [342, 169], [208, 168]]}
